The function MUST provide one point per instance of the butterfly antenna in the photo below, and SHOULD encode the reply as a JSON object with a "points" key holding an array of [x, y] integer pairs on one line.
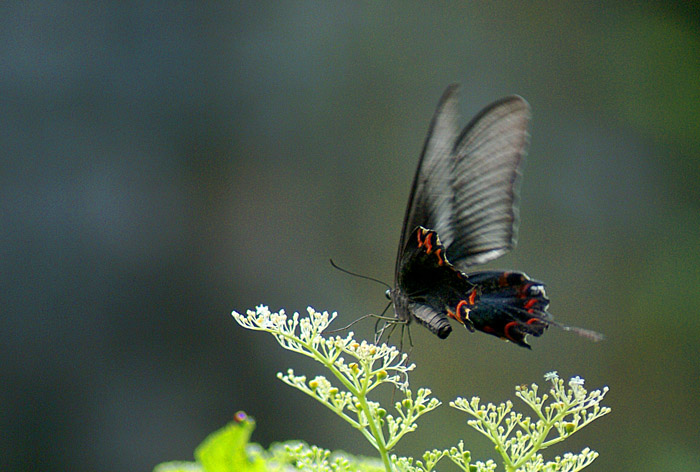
{"points": [[370, 315], [359, 275], [346, 327]]}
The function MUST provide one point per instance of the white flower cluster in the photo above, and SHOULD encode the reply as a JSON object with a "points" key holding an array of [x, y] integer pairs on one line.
{"points": [[304, 336], [367, 367], [561, 413], [358, 368], [285, 328]]}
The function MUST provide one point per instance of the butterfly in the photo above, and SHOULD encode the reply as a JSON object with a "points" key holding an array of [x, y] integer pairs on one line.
{"points": [[463, 211]]}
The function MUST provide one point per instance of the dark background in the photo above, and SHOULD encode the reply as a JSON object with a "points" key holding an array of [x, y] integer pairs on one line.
{"points": [[165, 163]]}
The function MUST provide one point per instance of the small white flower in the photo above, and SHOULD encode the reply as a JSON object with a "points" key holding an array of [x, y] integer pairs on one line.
{"points": [[576, 381], [551, 376]]}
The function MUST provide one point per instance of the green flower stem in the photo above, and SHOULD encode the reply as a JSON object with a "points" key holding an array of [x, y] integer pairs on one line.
{"points": [[377, 432], [495, 436]]}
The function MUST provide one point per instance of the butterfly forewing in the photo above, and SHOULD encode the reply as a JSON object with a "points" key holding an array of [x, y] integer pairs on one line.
{"points": [[465, 187], [431, 196], [484, 179]]}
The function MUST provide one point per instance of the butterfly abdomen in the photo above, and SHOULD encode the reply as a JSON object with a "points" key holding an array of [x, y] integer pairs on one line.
{"points": [[507, 304]]}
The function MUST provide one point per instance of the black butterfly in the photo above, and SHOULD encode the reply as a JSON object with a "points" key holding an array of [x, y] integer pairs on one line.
{"points": [[462, 211]]}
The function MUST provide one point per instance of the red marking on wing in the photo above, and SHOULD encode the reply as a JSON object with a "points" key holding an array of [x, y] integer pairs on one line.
{"points": [[441, 259], [429, 242], [530, 303], [454, 315], [462, 310], [419, 235], [472, 297], [507, 328], [425, 239], [524, 289]]}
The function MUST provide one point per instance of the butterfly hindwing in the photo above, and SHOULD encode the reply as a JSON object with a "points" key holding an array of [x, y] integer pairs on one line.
{"points": [[509, 305], [505, 304], [484, 183]]}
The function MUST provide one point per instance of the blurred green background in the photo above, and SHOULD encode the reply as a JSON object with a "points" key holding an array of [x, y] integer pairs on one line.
{"points": [[165, 163]]}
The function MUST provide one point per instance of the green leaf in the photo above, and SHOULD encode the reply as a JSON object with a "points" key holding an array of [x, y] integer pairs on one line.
{"points": [[225, 449]]}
